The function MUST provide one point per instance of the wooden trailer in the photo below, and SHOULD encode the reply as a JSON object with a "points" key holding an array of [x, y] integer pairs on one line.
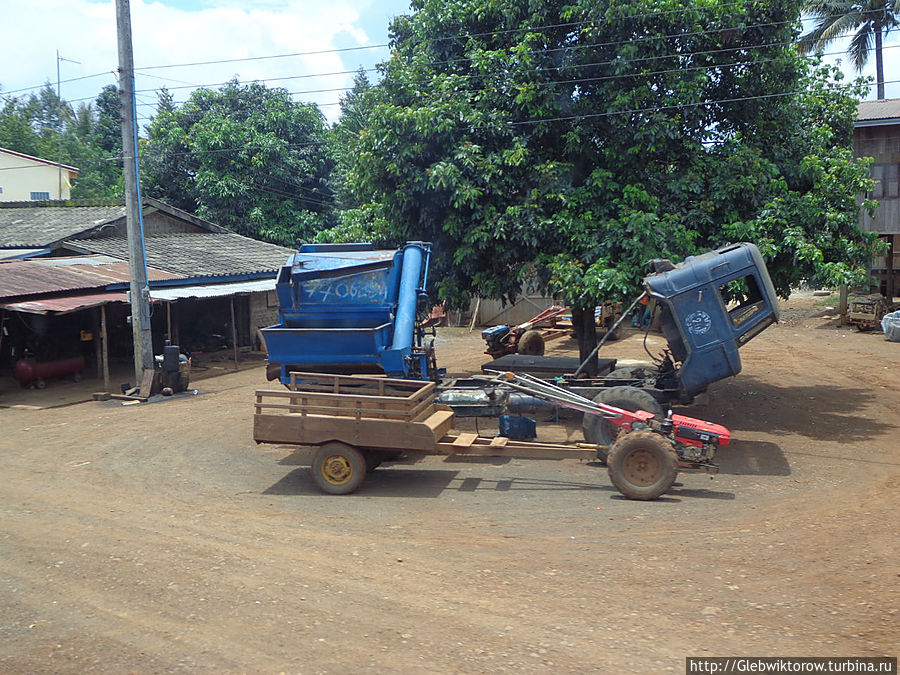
{"points": [[360, 422]]}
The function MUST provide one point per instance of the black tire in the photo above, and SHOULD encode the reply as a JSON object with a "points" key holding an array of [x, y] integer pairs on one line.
{"points": [[603, 432], [338, 469], [531, 343], [642, 465], [635, 373]]}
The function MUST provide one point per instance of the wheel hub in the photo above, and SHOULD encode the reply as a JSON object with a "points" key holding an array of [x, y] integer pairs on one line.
{"points": [[642, 468], [336, 469]]}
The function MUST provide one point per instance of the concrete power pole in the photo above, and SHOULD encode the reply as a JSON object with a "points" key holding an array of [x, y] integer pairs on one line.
{"points": [[137, 260]]}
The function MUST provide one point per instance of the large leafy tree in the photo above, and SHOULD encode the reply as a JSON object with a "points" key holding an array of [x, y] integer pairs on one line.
{"points": [[246, 157], [43, 125], [572, 142], [865, 22]]}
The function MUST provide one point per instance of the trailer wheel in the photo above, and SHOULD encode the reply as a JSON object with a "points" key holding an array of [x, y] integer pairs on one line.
{"points": [[642, 465], [531, 343], [338, 469], [603, 432]]}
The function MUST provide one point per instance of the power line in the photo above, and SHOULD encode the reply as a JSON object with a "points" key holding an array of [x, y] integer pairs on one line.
{"points": [[465, 35], [570, 24], [549, 83], [41, 86], [632, 111], [595, 45], [261, 58]]}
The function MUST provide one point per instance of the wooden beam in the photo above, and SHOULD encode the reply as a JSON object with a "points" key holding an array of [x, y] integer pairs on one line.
{"points": [[105, 347], [234, 334]]}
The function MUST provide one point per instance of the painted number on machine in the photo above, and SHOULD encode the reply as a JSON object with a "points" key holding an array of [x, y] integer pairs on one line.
{"points": [[365, 288]]}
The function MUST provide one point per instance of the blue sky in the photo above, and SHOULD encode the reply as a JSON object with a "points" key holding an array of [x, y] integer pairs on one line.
{"points": [[189, 31], [170, 32]]}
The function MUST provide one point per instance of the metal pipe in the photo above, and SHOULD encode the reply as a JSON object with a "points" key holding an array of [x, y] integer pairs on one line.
{"points": [[408, 296], [608, 333]]}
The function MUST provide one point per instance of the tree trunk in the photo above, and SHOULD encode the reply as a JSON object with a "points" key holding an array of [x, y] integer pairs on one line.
{"points": [[586, 336], [879, 64]]}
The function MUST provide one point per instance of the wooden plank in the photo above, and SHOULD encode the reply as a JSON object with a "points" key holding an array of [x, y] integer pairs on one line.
{"points": [[524, 451], [464, 440], [398, 403], [367, 433], [147, 382], [499, 441], [351, 412]]}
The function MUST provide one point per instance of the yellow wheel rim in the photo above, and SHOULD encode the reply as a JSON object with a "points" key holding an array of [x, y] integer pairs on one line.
{"points": [[336, 469], [642, 468]]}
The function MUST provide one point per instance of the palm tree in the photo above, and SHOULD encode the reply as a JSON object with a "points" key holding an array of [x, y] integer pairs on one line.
{"points": [[868, 20]]}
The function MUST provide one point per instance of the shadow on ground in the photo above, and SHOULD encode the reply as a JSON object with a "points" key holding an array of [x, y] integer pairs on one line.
{"points": [[818, 412], [431, 483]]}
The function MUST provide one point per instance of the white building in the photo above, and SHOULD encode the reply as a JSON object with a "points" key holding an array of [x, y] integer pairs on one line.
{"points": [[30, 179]]}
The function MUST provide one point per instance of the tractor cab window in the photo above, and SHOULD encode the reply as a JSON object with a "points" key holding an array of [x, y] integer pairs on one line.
{"points": [[743, 299]]}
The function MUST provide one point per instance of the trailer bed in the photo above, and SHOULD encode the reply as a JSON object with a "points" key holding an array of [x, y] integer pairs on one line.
{"points": [[377, 418]]}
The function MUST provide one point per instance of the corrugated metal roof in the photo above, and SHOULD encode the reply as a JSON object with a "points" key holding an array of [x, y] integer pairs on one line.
{"points": [[23, 277], [64, 305], [885, 111], [196, 253], [53, 275], [212, 290], [21, 253], [102, 268]]}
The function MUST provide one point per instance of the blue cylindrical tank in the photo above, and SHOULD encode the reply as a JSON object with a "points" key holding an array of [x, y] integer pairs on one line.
{"points": [[407, 300]]}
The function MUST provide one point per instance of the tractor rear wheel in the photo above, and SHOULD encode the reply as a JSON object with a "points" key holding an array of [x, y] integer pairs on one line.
{"points": [[531, 343], [601, 431], [642, 465], [338, 469]]}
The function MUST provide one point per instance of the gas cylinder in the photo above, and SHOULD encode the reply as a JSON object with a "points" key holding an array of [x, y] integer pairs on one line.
{"points": [[28, 371]]}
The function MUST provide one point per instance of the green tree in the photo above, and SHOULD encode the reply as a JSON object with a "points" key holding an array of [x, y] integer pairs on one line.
{"points": [[572, 142], [16, 129], [246, 157], [107, 129], [44, 126], [869, 21], [354, 118]]}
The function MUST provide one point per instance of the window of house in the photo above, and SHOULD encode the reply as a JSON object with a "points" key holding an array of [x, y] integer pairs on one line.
{"points": [[40, 196], [743, 299], [879, 174]]}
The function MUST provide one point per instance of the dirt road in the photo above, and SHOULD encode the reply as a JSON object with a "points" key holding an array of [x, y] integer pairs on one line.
{"points": [[159, 538]]}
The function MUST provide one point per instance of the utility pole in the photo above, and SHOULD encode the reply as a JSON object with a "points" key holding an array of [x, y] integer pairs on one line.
{"points": [[137, 259]]}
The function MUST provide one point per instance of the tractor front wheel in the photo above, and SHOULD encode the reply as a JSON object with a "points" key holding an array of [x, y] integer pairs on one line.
{"points": [[642, 465]]}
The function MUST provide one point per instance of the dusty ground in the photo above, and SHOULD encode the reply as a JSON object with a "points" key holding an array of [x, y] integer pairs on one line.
{"points": [[159, 538]]}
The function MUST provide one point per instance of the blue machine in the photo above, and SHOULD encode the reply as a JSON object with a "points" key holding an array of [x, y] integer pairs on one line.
{"points": [[348, 308], [711, 305]]}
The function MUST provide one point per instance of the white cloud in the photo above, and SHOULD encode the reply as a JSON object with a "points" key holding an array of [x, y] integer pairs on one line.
{"points": [[163, 34]]}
